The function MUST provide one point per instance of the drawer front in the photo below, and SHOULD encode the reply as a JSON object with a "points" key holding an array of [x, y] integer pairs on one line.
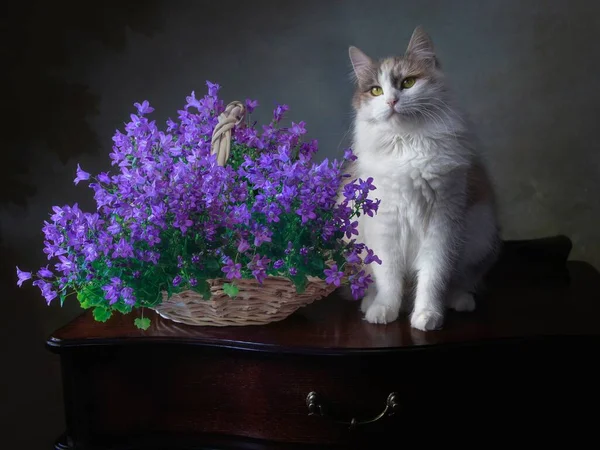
{"points": [[166, 391], [119, 395]]}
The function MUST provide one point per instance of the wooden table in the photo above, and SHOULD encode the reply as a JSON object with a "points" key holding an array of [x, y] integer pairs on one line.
{"points": [[529, 353]]}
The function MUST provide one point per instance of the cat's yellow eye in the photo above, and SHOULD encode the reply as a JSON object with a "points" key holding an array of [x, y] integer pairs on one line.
{"points": [[408, 82], [376, 91]]}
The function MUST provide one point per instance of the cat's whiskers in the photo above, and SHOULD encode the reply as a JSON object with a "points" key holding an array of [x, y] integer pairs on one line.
{"points": [[436, 118], [439, 120]]}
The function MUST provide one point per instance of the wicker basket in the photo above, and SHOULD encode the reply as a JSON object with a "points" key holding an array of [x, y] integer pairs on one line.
{"points": [[256, 304]]}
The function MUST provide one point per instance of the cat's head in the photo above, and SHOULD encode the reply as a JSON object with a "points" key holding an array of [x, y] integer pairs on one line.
{"points": [[402, 88]]}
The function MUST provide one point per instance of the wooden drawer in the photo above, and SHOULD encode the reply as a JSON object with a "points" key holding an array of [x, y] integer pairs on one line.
{"points": [[137, 394], [188, 391]]}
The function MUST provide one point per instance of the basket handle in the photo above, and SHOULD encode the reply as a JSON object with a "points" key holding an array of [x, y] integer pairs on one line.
{"points": [[234, 114]]}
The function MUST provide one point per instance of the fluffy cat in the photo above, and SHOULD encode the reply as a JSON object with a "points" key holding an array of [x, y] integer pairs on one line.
{"points": [[437, 221]]}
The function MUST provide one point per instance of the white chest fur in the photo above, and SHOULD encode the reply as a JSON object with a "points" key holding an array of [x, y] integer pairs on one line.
{"points": [[413, 175], [410, 173]]}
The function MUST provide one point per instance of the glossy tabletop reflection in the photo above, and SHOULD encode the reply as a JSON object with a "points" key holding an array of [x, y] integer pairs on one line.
{"points": [[513, 306]]}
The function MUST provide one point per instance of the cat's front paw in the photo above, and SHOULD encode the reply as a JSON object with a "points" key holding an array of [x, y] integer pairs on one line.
{"points": [[427, 320], [381, 313], [367, 301]]}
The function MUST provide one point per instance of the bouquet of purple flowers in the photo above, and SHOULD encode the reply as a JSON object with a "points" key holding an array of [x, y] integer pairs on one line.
{"points": [[170, 218]]}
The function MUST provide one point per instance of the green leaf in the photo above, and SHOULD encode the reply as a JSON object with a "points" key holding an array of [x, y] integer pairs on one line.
{"points": [[143, 323], [123, 308], [89, 297], [169, 289], [317, 265], [203, 288], [231, 289], [213, 264], [339, 259], [102, 314], [300, 282]]}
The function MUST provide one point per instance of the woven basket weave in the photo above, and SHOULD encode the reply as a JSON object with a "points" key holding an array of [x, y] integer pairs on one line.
{"points": [[256, 304]]}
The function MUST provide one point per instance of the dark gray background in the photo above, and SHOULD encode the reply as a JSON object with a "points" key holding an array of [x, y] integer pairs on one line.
{"points": [[525, 71]]}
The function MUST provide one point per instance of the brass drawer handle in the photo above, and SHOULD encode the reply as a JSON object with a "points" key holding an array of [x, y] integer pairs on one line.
{"points": [[316, 408]]}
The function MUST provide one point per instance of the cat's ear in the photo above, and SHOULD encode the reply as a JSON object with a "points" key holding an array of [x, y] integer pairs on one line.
{"points": [[362, 64], [421, 46]]}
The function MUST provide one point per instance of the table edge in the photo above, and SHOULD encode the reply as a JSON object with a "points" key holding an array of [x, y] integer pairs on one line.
{"points": [[57, 346]]}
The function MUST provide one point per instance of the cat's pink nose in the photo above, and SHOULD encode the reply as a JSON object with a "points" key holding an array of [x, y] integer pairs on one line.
{"points": [[392, 102]]}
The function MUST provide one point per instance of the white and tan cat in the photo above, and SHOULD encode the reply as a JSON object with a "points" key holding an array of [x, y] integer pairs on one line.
{"points": [[436, 223]]}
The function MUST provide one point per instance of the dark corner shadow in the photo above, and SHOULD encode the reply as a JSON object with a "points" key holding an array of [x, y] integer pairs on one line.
{"points": [[43, 109], [542, 258], [40, 107], [7, 270]]}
